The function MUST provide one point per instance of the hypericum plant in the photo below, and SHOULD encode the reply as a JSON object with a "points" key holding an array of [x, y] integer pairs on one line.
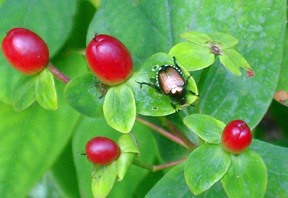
{"points": [[162, 86]]}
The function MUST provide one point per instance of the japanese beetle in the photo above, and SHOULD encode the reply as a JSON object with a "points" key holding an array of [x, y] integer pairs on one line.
{"points": [[170, 81]]}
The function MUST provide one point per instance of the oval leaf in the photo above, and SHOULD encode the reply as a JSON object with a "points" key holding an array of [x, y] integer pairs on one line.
{"points": [[197, 38], [246, 177], [206, 127], [230, 64], [173, 184], [45, 90], [119, 108], [205, 166], [123, 163], [35, 137], [85, 94], [103, 178], [238, 60], [277, 167], [192, 56], [150, 101], [224, 40], [24, 92], [281, 94], [127, 143]]}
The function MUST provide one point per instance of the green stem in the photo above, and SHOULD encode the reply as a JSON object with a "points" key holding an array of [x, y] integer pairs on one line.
{"points": [[157, 167], [161, 131], [58, 74], [178, 133]]}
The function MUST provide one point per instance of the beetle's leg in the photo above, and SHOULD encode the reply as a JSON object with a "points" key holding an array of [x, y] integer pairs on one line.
{"points": [[149, 84], [174, 59], [173, 104], [191, 92]]}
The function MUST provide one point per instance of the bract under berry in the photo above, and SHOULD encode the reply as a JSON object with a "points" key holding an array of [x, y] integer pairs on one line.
{"points": [[236, 136], [25, 50], [101, 150], [109, 59]]}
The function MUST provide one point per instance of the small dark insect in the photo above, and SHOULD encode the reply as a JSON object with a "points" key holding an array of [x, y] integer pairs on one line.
{"points": [[170, 81]]}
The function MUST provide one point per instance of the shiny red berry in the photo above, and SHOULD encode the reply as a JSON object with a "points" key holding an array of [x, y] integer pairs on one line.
{"points": [[236, 136], [109, 59], [25, 50], [101, 150]]}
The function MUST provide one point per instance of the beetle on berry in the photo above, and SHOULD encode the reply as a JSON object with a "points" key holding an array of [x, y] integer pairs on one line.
{"points": [[170, 81]]}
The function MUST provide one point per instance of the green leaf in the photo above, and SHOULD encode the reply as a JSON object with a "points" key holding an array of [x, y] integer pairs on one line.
{"points": [[246, 177], [129, 150], [277, 167], [192, 56], [124, 162], [24, 92], [103, 178], [238, 60], [224, 40], [150, 101], [50, 19], [35, 138], [197, 38], [64, 173], [230, 65], [88, 128], [281, 94], [119, 108], [206, 127], [127, 143], [205, 166], [174, 185], [47, 187], [45, 90], [84, 93]]}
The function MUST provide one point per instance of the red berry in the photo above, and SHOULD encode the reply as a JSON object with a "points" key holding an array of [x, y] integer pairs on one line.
{"points": [[25, 50], [236, 136], [101, 150], [109, 59]]}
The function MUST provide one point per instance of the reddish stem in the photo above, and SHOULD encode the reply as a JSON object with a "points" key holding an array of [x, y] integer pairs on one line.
{"points": [[161, 131], [179, 134], [58, 74], [157, 167]]}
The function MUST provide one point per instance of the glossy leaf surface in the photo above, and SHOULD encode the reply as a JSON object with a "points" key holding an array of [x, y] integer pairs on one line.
{"points": [[45, 90], [119, 108], [84, 93]]}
